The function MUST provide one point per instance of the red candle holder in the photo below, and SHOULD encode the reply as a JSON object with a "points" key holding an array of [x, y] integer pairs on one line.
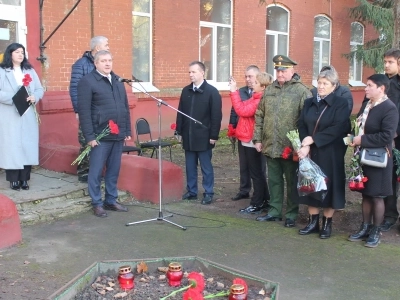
{"points": [[237, 292], [174, 274], [125, 278]]}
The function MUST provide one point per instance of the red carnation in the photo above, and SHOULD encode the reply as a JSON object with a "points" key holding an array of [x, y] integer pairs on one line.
{"points": [[196, 281], [192, 294], [364, 179], [231, 131], [26, 80], [242, 282], [287, 152], [173, 126], [113, 127]]}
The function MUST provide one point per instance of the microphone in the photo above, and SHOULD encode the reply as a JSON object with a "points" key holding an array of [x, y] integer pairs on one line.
{"points": [[134, 79]]}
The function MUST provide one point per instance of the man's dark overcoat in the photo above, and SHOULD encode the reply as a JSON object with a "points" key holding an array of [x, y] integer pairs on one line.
{"points": [[204, 105]]}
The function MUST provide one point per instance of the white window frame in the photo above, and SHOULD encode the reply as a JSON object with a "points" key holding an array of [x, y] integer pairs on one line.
{"points": [[354, 62], [17, 14], [321, 40], [146, 86], [276, 35], [220, 85]]}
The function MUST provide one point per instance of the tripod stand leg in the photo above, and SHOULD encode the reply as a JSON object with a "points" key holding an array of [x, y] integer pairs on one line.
{"points": [[160, 214]]}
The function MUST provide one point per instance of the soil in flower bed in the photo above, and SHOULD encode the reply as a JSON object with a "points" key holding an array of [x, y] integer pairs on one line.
{"points": [[153, 286]]}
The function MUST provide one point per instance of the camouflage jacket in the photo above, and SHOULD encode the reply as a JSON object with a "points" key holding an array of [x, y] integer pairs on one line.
{"points": [[277, 113]]}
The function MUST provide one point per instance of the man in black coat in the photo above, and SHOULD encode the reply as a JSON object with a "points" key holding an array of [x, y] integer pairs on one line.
{"points": [[244, 171], [101, 99], [202, 102], [80, 68], [392, 67]]}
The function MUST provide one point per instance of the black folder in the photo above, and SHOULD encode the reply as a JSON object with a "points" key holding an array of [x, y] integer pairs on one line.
{"points": [[20, 100]]}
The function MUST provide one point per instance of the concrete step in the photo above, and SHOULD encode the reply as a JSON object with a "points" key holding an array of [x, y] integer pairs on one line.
{"points": [[52, 195], [43, 210]]}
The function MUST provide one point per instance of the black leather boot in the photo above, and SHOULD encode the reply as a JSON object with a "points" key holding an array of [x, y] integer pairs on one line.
{"points": [[362, 234], [24, 185], [312, 226], [326, 230], [374, 237], [15, 185]]}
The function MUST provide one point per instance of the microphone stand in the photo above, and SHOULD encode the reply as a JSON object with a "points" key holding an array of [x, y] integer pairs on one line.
{"points": [[160, 102]]}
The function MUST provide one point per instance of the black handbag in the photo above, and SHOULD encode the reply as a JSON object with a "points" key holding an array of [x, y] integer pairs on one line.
{"points": [[374, 157]]}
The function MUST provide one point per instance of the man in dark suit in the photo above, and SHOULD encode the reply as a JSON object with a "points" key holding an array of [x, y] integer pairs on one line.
{"points": [[101, 99], [202, 102], [244, 171]]}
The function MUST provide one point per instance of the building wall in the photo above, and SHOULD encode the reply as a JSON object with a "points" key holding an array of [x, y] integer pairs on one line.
{"points": [[175, 45]]}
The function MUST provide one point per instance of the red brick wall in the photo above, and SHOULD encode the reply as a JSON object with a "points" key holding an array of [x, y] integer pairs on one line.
{"points": [[175, 45]]}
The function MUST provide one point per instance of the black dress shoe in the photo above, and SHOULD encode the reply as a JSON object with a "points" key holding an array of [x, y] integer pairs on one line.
{"points": [[189, 196], [15, 185], [206, 200], [251, 209], [240, 196], [115, 207], [289, 223], [24, 185], [99, 212], [268, 218]]}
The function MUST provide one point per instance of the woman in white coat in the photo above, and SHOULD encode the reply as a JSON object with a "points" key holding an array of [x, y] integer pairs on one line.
{"points": [[19, 135]]}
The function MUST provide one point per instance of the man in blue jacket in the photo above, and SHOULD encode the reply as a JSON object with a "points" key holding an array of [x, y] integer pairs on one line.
{"points": [[202, 102], [101, 99], [80, 68]]}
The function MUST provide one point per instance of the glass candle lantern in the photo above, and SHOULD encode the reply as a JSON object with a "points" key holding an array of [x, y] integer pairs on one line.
{"points": [[125, 278], [174, 274], [237, 292]]}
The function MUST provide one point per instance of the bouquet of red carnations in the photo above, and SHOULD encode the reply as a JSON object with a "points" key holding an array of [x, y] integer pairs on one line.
{"points": [[311, 181]]}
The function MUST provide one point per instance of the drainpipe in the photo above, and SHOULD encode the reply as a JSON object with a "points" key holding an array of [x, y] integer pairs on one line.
{"points": [[42, 46]]}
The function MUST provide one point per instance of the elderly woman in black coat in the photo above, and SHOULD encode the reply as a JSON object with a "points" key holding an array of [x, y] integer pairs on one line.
{"points": [[377, 120], [323, 123]]}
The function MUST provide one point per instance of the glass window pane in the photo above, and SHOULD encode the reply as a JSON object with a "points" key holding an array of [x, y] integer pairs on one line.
{"points": [[270, 53], [141, 6], [322, 28], [206, 46], [358, 67], [352, 69], [282, 44], [316, 60], [8, 35], [11, 2], [216, 11], [357, 33], [141, 47], [223, 54], [277, 19], [325, 53]]}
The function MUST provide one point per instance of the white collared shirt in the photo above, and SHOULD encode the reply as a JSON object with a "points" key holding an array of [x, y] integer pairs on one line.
{"points": [[107, 76]]}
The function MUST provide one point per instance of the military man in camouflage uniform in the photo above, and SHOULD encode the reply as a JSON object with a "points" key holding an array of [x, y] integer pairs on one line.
{"points": [[277, 114]]}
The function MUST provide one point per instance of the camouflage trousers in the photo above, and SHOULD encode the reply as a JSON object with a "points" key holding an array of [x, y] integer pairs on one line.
{"points": [[83, 167]]}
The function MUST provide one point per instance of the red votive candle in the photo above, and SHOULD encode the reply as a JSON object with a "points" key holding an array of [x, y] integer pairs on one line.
{"points": [[174, 274], [125, 278], [237, 292]]}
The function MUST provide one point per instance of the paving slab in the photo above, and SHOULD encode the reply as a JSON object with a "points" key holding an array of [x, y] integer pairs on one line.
{"points": [[43, 184]]}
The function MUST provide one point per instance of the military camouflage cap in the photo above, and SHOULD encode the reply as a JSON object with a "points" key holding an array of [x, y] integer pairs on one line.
{"points": [[283, 62]]}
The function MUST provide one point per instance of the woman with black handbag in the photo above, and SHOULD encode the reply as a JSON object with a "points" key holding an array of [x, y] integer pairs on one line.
{"points": [[377, 122], [323, 123]]}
